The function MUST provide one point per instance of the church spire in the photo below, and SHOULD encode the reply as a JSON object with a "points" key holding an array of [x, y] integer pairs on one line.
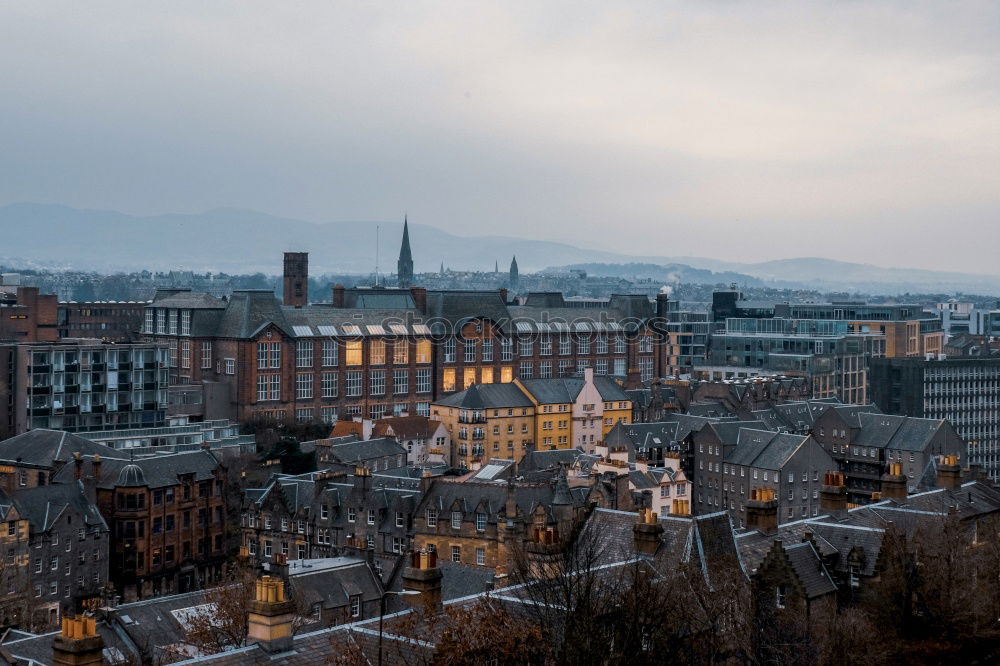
{"points": [[513, 273], [404, 267]]}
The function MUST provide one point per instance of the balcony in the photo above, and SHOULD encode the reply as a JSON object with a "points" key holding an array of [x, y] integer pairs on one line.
{"points": [[472, 419]]}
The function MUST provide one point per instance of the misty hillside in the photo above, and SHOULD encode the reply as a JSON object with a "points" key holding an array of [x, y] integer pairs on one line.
{"points": [[669, 273], [238, 241]]}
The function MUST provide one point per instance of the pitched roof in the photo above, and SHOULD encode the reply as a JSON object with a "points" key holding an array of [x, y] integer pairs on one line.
{"points": [[764, 449], [41, 447], [488, 396], [809, 569]]}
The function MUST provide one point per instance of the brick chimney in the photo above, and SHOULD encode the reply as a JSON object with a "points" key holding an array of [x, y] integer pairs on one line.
{"points": [[270, 616], [762, 510], [338, 296], [833, 495], [77, 465], [97, 466], [647, 533], [362, 478], [295, 288], [949, 474], [894, 483], [423, 576], [78, 644], [419, 295]]}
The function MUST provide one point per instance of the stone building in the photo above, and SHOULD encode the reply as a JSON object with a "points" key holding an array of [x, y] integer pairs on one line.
{"points": [[167, 516]]}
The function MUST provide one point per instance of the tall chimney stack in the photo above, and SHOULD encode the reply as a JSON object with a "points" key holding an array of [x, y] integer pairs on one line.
{"points": [[949, 474], [338, 296], [78, 644], [423, 576], [647, 533], [894, 483], [270, 616], [833, 495], [762, 510], [295, 289]]}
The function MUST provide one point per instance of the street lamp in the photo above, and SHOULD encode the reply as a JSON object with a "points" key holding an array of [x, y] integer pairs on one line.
{"points": [[381, 614]]}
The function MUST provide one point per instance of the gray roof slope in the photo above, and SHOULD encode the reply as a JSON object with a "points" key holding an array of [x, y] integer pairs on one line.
{"points": [[366, 449], [458, 307], [41, 447], [809, 569], [488, 396], [159, 471], [42, 505], [540, 460], [765, 449]]}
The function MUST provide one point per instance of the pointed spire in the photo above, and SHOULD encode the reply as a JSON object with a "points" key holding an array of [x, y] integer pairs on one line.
{"points": [[513, 273], [404, 267], [562, 496]]}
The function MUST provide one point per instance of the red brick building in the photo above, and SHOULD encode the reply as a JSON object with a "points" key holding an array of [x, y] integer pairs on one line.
{"points": [[377, 352]]}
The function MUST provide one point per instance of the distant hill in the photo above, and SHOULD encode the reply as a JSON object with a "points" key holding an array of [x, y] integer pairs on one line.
{"points": [[239, 241], [670, 273]]}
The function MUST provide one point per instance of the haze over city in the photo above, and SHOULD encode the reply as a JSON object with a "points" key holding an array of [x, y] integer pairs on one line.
{"points": [[863, 132]]}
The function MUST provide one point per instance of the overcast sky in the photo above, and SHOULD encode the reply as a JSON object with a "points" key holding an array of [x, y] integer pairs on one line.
{"points": [[862, 131]]}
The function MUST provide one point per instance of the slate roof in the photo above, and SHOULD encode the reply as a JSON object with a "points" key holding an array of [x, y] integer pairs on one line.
{"points": [[488, 396], [186, 299], [906, 433], [809, 569], [764, 449], [407, 427], [158, 471], [332, 581], [41, 447], [542, 460], [557, 390], [360, 450], [43, 505]]}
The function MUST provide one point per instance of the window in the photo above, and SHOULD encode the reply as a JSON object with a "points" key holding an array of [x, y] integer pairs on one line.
{"points": [[304, 386], [206, 355], [619, 367], [525, 369], [400, 352], [456, 553], [377, 382], [469, 347], [371, 516], [487, 350], [304, 415], [351, 514], [456, 520], [328, 384], [355, 605], [602, 344], [275, 387], [423, 351], [424, 380], [352, 352], [545, 346], [565, 346], [779, 596], [230, 366], [545, 369], [304, 354], [432, 518], [481, 557], [506, 349], [150, 317], [352, 384], [449, 350], [527, 347], [376, 352], [186, 354], [480, 522], [329, 353], [583, 346], [400, 519], [328, 414], [400, 382], [619, 345]]}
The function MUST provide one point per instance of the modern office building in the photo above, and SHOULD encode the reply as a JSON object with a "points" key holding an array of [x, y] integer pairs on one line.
{"points": [[965, 391], [82, 386]]}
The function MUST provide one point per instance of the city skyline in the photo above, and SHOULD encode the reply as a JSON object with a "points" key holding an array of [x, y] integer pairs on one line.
{"points": [[716, 129]]}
